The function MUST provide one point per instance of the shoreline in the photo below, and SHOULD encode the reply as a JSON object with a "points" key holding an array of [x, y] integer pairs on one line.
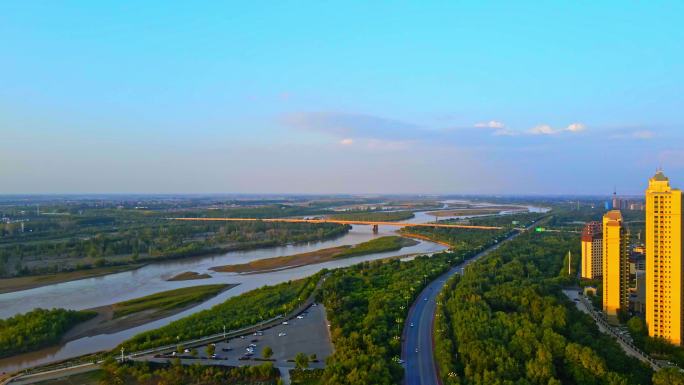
{"points": [[16, 284], [105, 322], [303, 259]]}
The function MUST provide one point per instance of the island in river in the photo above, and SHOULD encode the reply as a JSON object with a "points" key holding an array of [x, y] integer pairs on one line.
{"points": [[378, 245], [107, 319], [189, 276]]}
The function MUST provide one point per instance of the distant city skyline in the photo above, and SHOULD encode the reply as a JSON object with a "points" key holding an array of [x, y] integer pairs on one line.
{"points": [[400, 97]]}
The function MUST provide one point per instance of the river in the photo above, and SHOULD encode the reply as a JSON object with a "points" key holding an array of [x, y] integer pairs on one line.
{"points": [[152, 278]]}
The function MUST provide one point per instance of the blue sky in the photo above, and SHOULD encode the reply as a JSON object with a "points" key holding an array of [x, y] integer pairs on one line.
{"points": [[348, 97]]}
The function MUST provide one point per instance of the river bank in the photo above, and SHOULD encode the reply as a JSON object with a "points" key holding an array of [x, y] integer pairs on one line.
{"points": [[8, 285], [383, 244], [117, 317]]}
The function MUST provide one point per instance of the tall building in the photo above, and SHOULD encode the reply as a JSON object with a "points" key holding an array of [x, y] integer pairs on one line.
{"points": [[664, 259], [592, 250], [615, 263], [616, 203]]}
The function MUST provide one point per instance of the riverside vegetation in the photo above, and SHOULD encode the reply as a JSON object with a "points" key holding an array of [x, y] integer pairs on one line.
{"points": [[41, 328], [81, 233], [378, 216], [37, 329], [167, 300], [237, 312]]}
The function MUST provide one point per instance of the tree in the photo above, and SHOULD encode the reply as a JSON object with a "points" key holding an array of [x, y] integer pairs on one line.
{"points": [[301, 361], [211, 349], [668, 376], [267, 353]]}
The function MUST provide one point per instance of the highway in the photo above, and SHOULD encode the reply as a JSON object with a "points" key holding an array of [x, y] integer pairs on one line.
{"points": [[418, 347]]}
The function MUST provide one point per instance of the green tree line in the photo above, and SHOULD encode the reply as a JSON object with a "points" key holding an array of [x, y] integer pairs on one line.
{"points": [[146, 373], [237, 312], [506, 321], [37, 329]]}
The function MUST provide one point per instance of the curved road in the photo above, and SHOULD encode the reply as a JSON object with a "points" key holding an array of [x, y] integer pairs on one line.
{"points": [[417, 349]]}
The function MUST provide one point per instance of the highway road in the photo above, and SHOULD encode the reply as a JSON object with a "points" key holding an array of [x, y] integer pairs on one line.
{"points": [[418, 348]]}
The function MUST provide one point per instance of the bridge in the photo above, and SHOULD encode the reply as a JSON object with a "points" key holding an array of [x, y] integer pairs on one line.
{"points": [[374, 224]]}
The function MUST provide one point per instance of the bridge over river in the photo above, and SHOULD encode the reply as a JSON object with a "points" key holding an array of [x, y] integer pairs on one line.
{"points": [[374, 224]]}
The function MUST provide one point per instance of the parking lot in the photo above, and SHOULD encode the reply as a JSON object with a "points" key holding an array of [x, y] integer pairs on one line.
{"points": [[308, 333]]}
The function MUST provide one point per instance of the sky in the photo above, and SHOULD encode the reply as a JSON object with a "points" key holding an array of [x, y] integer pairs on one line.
{"points": [[458, 97]]}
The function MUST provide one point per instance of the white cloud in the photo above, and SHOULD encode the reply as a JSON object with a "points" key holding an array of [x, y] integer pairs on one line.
{"points": [[347, 141], [543, 129], [491, 124], [576, 127]]}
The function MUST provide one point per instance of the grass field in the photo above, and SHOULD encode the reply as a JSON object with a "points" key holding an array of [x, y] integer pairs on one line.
{"points": [[378, 245], [168, 300]]}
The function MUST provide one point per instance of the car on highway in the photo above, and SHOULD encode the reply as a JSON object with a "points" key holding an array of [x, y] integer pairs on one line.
{"points": [[285, 323], [282, 334], [300, 317], [411, 324], [416, 350], [425, 299]]}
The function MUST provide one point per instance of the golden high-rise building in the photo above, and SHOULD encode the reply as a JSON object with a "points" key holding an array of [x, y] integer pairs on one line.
{"points": [[615, 263], [664, 259], [592, 250]]}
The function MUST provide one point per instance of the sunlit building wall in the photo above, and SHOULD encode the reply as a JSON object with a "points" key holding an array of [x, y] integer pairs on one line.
{"points": [[592, 250], [615, 263], [664, 259]]}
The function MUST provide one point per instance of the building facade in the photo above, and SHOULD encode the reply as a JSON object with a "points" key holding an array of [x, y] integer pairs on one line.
{"points": [[664, 259], [615, 263], [592, 250]]}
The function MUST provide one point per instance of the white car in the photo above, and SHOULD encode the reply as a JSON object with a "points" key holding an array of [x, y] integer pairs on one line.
{"points": [[285, 323], [411, 324], [282, 334], [300, 317]]}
